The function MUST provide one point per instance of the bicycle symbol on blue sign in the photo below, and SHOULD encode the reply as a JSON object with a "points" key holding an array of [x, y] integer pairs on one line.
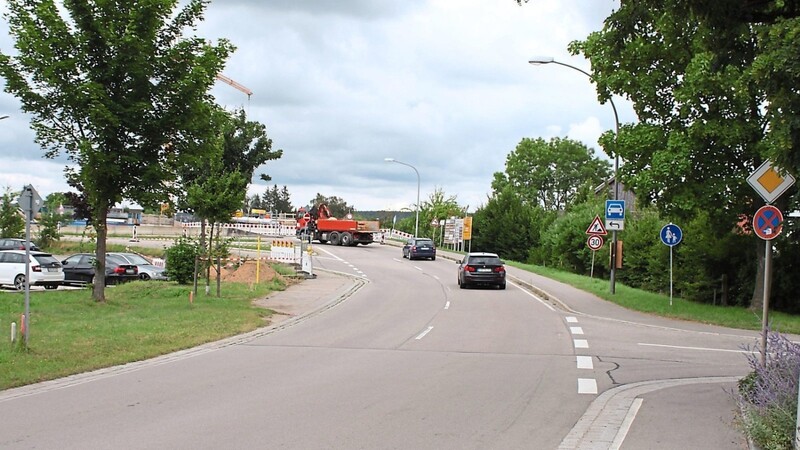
{"points": [[671, 235]]}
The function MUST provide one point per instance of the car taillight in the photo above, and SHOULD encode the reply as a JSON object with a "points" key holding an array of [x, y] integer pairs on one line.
{"points": [[36, 268], [119, 270], [500, 269], [469, 269]]}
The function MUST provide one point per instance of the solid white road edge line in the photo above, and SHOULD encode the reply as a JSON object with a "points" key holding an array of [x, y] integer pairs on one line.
{"points": [[705, 349], [537, 298], [422, 335], [626, 425]]}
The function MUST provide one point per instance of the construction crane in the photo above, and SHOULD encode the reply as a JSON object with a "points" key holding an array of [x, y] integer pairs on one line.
{"points": [[236, 85]]}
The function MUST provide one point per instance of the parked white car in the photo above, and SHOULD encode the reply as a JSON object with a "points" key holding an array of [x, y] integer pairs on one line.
{"points": [[45, 270]]}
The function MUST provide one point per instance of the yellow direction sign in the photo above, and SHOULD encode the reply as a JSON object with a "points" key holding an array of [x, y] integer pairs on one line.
{"points": [[597, 227]]}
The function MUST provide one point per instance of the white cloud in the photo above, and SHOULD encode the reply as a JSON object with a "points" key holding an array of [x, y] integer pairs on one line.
{"points": [[443, 85]]}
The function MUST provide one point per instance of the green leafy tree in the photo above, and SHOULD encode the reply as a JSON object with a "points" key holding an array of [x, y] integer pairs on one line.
{"points": [[437, 207], [705, 84], [277, 200], [51, 218], [337, 206], [180, 260], [12, 222], [119, 89], [552, 174], [507, 226]]}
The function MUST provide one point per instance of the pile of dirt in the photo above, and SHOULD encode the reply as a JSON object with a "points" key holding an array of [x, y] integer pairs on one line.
{"points": [[248, 271]]}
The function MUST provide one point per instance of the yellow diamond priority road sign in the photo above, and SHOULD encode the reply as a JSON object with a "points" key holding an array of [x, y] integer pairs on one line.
{"points": [[769, 182]]}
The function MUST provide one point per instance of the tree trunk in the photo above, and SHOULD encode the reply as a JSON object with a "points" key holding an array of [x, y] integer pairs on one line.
{"points": [[101, 228]]}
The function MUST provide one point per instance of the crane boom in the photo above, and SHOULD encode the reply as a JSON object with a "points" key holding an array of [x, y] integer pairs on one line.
{"points": [[236, 85]]}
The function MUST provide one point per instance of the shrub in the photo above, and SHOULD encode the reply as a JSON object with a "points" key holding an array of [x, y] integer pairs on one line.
{"points": [[180, 259], [768, 395]]}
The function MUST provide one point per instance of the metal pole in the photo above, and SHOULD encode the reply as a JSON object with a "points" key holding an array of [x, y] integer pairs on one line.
{"points": [[765, 310], [614, 256], [416, 223], [670, 275], [28, 217]]}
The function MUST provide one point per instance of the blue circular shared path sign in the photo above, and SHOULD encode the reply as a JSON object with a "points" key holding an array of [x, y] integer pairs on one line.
{"points": [[671, 235]]}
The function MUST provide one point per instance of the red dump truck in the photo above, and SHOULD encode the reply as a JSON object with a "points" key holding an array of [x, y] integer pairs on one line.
{"points": [[318, 225]]}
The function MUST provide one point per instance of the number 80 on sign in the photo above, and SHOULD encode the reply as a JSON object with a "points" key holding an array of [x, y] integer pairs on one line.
{"points": [[595, 242]]}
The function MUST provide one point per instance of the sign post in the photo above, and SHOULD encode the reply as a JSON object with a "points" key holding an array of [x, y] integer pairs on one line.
{"points": [[770, 184], [767, 224], [596, 231], [671, 235], [30, 202]]}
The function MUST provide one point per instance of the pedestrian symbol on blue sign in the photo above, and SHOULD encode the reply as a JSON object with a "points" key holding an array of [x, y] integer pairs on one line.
{"points": [[615, 209], [671, 235]]}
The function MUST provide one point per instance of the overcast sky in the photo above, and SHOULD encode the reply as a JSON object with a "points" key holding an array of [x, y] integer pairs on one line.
{"points": [[442, 85]]}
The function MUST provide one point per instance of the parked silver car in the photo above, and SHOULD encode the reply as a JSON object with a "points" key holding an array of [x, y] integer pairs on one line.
{"points": [[147, 270]]}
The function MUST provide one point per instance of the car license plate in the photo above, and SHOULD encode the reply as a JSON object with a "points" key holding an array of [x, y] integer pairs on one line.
{"points": [[129, 271], [484, 269]]}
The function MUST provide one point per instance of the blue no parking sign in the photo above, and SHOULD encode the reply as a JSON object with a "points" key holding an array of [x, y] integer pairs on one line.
{"points": [[671, 235]]}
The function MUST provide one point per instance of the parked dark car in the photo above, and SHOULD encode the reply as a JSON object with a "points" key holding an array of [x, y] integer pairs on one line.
{"points": [[15, 244], [79, 269], [416, 248], [481, 269]]}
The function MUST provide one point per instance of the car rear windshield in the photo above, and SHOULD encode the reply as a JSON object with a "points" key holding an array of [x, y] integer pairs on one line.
{"points": [[47, 261], [424, 242], [486, 260]]}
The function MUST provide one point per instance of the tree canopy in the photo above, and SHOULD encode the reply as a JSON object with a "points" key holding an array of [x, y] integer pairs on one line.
{"points": [[119, 89]]}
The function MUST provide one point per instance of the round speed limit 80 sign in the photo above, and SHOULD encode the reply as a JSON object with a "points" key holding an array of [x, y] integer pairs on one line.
{"points": [[595, 242]]}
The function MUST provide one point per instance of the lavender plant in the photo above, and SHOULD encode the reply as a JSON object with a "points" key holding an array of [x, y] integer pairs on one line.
{"points": [[768, 395]]}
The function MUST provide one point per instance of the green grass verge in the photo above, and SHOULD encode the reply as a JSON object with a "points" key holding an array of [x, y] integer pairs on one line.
{"points": [[658, 304], [70, 333]]}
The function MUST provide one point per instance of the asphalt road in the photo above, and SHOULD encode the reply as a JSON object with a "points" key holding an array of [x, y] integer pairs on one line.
{"points": [[405, 359]]}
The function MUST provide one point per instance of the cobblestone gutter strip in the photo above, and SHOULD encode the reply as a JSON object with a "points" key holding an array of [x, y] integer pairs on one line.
{"points": [[598, 427]]}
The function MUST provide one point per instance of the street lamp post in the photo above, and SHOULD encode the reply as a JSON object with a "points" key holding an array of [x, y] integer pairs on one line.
{"points": [[550, 60], [416, 224]]}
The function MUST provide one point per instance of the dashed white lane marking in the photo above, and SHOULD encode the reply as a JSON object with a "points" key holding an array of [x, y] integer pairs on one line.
{"points": [[587, 386], [422, 335], [447, 305], [572, 319], [576, 330], [585, 362], [580, 343], [703, 349], [626, 425]]}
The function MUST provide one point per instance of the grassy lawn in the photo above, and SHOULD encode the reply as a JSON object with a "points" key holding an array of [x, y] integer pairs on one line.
{"points": [[658, 304], [70, 333]]}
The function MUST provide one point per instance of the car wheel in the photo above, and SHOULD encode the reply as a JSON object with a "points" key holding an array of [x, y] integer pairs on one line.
{"points": [[334, 238], [433, 258], [19, 282], [50, 287], [346, 239], [144, 276], [502, 286]]}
